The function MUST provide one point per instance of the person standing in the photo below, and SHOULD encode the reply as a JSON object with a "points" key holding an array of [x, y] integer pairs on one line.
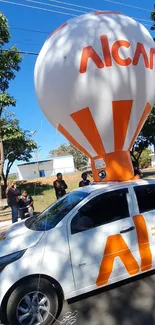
{"points": [[12, 194], [60, 186], [85, 181]]}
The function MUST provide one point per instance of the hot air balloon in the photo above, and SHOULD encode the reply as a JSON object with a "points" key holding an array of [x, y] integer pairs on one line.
{"points": [[95, 82]]}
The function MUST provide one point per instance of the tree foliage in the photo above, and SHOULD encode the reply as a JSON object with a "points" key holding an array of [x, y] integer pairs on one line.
{"points": [[153, 14], [18, 144], [9, 64], [145, 139], [80, 159]]}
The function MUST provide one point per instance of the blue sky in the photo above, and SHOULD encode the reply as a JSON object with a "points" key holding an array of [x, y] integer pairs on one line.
{"points": [[22, 88]]}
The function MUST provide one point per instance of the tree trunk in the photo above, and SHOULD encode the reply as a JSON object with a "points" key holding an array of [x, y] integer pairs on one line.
{"points": [[5, 177], [136, 158]]}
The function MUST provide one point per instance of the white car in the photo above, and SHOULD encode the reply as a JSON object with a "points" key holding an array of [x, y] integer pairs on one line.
{"points": [[90, 238]]}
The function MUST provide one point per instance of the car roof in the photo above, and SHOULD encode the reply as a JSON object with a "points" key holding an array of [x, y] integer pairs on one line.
{"points": [[114, 185]]}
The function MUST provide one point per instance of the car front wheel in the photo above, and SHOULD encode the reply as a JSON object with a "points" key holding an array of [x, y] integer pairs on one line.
{"points": [[33, 302]]}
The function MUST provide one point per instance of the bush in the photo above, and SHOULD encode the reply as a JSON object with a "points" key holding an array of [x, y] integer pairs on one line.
{"points": [[145, 159]]}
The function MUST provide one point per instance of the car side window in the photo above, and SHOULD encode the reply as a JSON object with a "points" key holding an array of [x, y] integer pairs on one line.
{"points": [[103, 209], [146, 197]]}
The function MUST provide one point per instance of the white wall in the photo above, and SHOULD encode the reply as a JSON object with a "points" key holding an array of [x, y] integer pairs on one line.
{"points": [[30, 171], [152, 160], [64, 165]]}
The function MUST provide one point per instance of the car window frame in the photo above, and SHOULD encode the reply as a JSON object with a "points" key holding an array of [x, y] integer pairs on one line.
{"points": [[136, 200], [63, 221], [97, 193]]}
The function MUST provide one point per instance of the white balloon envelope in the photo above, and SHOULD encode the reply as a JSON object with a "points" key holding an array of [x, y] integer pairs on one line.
{"points": [[95, 82]]}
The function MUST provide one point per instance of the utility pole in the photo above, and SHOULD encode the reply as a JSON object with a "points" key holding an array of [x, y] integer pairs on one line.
{"points": [[37, 162]]}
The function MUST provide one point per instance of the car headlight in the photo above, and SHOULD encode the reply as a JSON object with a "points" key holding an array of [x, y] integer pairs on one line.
{"points": [[7, 259]]}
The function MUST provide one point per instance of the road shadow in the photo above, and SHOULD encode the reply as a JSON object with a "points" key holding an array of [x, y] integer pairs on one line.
{"points": [[129, 303]]}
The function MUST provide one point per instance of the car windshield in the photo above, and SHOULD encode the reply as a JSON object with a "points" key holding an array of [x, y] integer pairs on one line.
{"points": [[50, 217]]}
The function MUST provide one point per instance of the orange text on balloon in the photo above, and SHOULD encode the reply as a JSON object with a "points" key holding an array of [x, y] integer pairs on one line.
{"points": [[113, 52]]}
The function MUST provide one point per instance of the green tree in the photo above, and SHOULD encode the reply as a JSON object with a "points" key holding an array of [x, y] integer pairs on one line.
{"points": [[9, 65], [18, 144], [145, 139], [80, 160]]}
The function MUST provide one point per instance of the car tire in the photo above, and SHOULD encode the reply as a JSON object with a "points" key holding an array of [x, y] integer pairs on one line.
{"points": [[35, 298]]}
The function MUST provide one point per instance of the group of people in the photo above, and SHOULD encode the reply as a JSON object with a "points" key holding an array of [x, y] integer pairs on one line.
{"points": [[60, 186], [21, 204]]}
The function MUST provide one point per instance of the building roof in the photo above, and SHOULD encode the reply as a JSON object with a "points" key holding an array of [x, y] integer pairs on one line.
{"points": [[45, 160]]}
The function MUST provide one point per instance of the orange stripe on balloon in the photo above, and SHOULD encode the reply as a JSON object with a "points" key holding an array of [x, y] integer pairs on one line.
{"points": [[58, 29], [68, 136], [121, 116], [107, 12], [144, 116], [84, 120], [143, 242]]}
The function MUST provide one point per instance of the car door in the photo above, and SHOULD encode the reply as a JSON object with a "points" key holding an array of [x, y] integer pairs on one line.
{"points": [[101, 238]]}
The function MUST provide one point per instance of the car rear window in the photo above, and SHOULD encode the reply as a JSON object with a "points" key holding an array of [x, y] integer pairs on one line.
{"points": [[146, 197]]}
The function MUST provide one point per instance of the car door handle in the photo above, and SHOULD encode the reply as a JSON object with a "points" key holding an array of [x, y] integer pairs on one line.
{"points": [[126, 230]]}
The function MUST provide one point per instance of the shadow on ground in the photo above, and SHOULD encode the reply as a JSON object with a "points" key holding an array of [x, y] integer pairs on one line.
{"points": [[130, 304]]}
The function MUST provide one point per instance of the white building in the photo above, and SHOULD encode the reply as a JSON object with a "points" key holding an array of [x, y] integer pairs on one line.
{"points": [[46, 168], [152, 159]]}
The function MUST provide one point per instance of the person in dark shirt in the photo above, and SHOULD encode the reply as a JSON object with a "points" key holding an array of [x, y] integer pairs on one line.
{"points": [[85, 181], [25, 205], [60, 186], [12, 194]]}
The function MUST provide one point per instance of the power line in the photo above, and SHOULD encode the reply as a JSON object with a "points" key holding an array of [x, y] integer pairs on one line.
{"points": [[56, 11], [20, 52], [43, 32], [66, 8], [127, 5], [39, 8], [116, 2], [30, 30], [73, 5], [75, 10]]}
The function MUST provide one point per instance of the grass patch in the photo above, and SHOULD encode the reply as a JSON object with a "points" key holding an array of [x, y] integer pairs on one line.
{"points": [[43, 192]]}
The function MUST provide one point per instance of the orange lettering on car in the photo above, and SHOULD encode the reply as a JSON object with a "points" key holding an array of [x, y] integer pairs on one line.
{"points": [[143, 243], [116, 247]]}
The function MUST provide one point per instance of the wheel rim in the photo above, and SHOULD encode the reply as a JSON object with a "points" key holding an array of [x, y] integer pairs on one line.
{"points": [[33, 309]]}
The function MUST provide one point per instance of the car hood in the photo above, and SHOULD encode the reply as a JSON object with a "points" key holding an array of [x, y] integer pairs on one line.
{"points": [[18, 237]]}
